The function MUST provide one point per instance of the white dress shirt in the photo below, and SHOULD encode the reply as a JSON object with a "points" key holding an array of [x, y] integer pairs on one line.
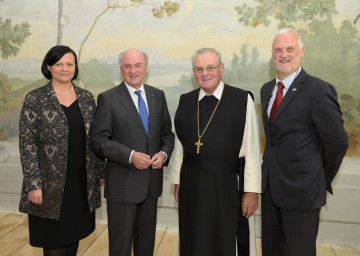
{"points": [[135, 98], [287, 83]]}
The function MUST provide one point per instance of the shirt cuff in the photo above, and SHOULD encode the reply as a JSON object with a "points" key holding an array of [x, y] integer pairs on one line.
{"points": [[165, 156], [132, 152]]}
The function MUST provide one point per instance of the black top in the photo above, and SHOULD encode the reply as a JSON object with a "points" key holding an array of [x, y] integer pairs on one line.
{"points": [[207, 106]]}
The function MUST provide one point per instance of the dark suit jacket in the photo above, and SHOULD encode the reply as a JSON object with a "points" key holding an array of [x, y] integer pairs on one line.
{"points": [[118, 130], [305, 143]]}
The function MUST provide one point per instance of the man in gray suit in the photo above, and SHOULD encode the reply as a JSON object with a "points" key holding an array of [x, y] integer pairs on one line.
{"points": [[305, 145], [132, 131]]}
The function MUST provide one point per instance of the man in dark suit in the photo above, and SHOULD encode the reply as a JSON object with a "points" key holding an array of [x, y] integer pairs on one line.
{"points": [[305, 145], [132, 130]]}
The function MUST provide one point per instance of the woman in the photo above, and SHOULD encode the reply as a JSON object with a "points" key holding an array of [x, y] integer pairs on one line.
{"points": [[61, 185]]}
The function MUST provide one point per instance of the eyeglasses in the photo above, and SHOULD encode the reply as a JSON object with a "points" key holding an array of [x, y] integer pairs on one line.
{"points": [[209, 68]]}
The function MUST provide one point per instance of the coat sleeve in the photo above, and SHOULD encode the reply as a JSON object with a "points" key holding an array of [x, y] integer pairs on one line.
{"points": [[97, 162], [175, 163], [28, 144], [250, 149], [327, 118], [101, 140], [167, 136]]}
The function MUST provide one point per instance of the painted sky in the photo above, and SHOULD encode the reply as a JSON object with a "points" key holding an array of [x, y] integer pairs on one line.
{"points": [[197, 24]]}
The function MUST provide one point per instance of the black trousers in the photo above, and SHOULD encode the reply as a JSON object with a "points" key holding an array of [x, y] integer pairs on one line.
{"points": [[132, 224], [286, 232]]}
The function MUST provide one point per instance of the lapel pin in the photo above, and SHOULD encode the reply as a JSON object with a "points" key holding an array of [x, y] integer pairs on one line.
{"points": [[294, 89]]}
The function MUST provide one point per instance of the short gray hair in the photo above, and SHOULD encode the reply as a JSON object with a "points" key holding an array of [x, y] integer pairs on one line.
{"points": [[146, 58], [204, 50], [291, 30]]}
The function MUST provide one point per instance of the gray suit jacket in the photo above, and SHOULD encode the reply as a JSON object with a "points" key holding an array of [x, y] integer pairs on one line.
{"points": [[118, 130], [305, 143]]}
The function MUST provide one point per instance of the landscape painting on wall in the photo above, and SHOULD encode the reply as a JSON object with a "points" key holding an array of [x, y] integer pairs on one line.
{"points": [[170, 31]]}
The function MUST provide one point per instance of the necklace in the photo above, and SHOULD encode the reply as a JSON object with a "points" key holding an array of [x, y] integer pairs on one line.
{"points": [[64, 93], [198, 143]]}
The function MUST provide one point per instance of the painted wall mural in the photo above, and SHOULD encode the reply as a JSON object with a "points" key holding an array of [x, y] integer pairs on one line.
{"points": [[170, 31]]}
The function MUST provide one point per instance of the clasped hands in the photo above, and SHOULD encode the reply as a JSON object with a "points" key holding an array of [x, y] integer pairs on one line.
{"points": [[143, 161]]}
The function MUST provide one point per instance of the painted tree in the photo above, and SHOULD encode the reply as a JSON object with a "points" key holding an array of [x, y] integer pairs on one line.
{"points": [[11, 40], [168, 8], [12, 37], [241, 71], [4, 89], [286, 12], [62, 21], [331, 51]]}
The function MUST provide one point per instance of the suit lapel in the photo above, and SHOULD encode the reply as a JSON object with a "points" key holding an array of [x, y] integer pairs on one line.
{"points": [[150, 97], [293, 90], [128, 103], [266, 98]]}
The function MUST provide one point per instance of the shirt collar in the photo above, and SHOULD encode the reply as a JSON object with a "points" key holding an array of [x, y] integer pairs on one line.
{"points": [[132, 89], [217, 93], [290, 79]]}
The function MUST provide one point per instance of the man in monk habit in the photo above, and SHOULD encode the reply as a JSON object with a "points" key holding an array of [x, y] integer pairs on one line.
{"points": [[217, 127]]}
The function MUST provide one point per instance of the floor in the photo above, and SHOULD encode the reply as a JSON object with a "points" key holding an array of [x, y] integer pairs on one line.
{"points": [[14, 240]]}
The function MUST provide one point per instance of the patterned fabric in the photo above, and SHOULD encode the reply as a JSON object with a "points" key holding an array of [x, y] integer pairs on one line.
{"points": [[43, 143], [277, 101]]}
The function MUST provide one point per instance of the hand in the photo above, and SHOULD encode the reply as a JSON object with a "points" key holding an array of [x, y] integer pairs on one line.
{"points": [[249, 204], [35, 196], [102, 182], [176, 192], [140, 160], [157, 160]]}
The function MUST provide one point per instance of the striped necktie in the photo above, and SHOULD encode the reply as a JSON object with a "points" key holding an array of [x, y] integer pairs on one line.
{"points": [[277, 101]]}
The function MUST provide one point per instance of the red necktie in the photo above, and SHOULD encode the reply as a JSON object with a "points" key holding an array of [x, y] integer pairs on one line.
{"points": [[277, 101]]}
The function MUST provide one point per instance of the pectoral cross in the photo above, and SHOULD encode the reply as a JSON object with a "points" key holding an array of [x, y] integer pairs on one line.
{"points": [[198, 145]]}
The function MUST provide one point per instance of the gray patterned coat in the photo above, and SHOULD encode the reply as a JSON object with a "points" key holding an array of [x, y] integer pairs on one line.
{"points": [[43, 143]]}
